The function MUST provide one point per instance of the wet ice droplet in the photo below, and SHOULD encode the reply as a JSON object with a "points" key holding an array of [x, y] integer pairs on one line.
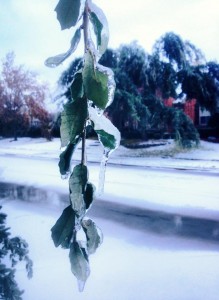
{"points": [[65, 176]]}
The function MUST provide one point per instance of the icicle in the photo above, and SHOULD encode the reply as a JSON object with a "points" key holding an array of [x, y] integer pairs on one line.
{"points": [[102, 173], [81, 285]]}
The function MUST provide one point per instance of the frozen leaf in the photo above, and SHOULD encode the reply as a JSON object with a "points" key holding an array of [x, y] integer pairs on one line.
{"points": [[107, 140], [68, 12], [108, 134], [79, 264], [93, 234], [98, 26], [101, 28], [76, 88], [62, 231], [65, 157], [111, 85], [54, 61], [73, 119], [89, 195], [77, 184], [97, 82]]}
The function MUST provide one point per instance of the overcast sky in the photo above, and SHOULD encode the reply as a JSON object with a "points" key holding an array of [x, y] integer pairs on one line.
{"points": [[31, 30]]}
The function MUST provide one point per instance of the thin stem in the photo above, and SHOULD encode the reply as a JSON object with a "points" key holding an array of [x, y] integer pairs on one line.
{"points": [[83, 150], [85, 28]]}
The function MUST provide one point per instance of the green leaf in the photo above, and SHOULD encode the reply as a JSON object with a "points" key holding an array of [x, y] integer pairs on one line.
{"points": [[93, 234], [79, 263], [65, 157], [89, 195], [62, 231], [54, 61], [108, 135], [68, 12], [101, 28], [98, 82], [107, 140], [98, 26], [77, 90], [77, 184], [73, 119]]}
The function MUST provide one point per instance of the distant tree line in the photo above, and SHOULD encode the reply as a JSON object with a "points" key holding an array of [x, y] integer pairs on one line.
{"points": [[176, 69]]}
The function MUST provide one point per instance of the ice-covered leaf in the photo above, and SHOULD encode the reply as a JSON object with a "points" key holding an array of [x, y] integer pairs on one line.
{"points": [[107, 140], [101, 28], [62, 231], [73, 119], [79, 263], [76, 88], [77, 185], [109, 136], [54, 61], [98, 82], [68, 12], [65, 157], [93, 234], [98, 26], [89, 195]]}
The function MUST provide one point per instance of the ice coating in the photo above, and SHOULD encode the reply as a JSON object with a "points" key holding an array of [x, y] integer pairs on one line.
{"points": [[81, 9], [110, 84], [93, 50], [81, 283], [103, 123], [55, 61], [105, 31]]}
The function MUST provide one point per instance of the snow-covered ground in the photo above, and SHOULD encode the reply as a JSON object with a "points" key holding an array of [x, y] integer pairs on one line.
{"points": [[131, 264], [206, 157]]}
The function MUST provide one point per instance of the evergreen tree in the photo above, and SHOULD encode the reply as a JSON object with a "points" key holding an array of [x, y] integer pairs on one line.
{"points": [[12, 251], [128, 111], [176, 69]]}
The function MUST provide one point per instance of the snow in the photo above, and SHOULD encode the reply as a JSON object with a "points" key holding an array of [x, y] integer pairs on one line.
{"points": [[206, 157], [129, 264], [132, 263]]}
